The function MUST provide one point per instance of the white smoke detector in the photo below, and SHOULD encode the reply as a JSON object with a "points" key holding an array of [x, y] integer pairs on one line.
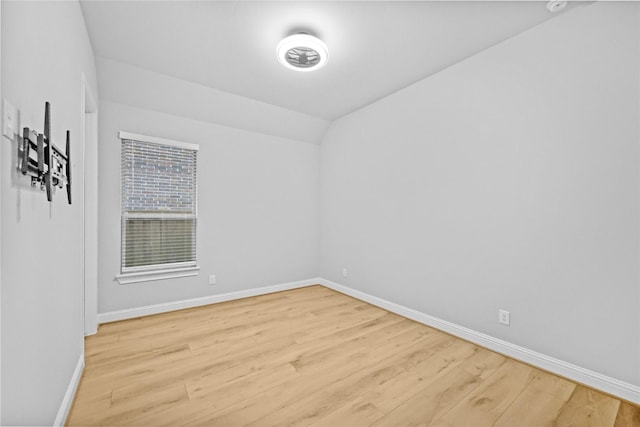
{"points": [[556, 5], [302, 52]]}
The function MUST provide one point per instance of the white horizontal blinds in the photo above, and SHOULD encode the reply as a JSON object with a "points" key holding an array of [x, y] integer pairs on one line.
{"points": [[159, 198]]}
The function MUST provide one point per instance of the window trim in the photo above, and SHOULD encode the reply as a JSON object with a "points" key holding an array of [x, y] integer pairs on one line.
{"points": [[155, 140], [157, 271], [156, 274]]}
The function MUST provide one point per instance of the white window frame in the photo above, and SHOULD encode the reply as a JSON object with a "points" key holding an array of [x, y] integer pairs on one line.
{"points": [[157, 272]]}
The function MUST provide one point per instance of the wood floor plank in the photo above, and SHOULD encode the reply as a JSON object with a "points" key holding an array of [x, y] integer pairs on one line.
{"points": [[434, 362], [282, 352], [98, 343], [114, 328], [375, 372], [240, 388], [224, 321], [588, 408], [89, 402], [323, 402], [116, 353], [443, 391], [628, 416], [405, 332], [293, 328], [348, 328], [333, 370], [484, 405], [312, 356], [540, 404], [140, 364], [356, 412]]}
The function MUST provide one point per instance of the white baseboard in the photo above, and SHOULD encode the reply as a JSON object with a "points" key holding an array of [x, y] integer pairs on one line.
{"points": [[67, 401], [131, 313], [624, 390]]}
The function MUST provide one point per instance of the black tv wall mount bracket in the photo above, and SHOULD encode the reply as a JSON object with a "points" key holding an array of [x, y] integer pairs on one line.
{"points": [[45, 163]]}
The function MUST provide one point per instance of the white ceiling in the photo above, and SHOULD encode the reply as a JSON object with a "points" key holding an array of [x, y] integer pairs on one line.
{"points": [[375, 48]]}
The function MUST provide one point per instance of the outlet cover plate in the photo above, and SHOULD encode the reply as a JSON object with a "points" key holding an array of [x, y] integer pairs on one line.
{"points": [[9, 120], [504, 317]]}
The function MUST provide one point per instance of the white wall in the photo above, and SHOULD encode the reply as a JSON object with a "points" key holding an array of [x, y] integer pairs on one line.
{"points": [[130, 85], [510, 180], [42, 245], [1, 162], [258, 221], [90, 134]]}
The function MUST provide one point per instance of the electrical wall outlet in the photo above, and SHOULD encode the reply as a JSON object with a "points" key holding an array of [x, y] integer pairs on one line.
{"points": [[345, 272], [9, 120], [212, 280], [504, 317]]}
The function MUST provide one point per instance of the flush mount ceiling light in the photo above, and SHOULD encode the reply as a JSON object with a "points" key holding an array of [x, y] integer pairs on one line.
{"points": [[302, 52]]}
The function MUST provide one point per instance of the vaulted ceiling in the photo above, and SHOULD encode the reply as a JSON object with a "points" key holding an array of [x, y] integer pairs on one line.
{"points": [[375, 48]]}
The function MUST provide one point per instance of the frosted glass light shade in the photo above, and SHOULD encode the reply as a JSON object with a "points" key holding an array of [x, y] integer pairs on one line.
{"points": [[302, 52]]}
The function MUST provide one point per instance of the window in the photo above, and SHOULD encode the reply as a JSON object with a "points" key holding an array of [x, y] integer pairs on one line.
{"points": [[159, 216]]}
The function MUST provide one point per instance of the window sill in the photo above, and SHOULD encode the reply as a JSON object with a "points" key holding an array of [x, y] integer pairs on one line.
{"points": [[147, 276]]}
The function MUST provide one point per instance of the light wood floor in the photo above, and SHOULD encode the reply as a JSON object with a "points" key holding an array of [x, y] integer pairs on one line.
{"points": [[316, 357]]}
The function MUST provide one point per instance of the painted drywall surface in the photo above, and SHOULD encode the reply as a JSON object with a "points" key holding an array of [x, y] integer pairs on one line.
{"points": [[1, 160], [130, 85], [42, 242], [257, 208], [91, 215], [508, 181]]}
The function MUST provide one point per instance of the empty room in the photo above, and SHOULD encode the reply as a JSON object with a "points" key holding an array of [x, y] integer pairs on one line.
{"points": [[320, 213]]}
